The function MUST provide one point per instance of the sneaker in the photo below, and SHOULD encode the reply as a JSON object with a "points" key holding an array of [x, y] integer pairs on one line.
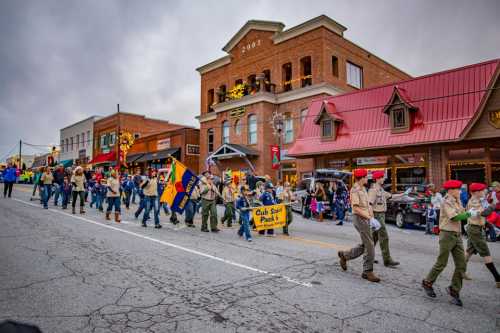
{"points": [[215, 230], [340, 223], [391, 263], [205, 230], [144, 225], [249, 240], [455, 297], [427, 285], [158, 226]]}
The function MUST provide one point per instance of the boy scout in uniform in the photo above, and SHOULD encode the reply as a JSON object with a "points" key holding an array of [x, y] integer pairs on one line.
{"points": [[450, 241], [476, 242], [208, 193], [228, 196], [362, 214], [286, 197]]}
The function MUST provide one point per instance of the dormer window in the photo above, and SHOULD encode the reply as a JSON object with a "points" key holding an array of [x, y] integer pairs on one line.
{"points": [[327, 128], [329, 121], [400, 111]]}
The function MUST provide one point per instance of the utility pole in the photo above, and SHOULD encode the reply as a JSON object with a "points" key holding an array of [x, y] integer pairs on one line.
{"points": [[20, 149], [117, 139]]}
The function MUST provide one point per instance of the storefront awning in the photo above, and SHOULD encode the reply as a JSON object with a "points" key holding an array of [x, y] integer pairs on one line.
{"points": [[134, 157], [159, 155], [66, 163], [104, 158], [229, 150]]}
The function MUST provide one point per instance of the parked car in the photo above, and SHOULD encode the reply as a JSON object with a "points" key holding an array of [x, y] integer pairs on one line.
{"points": [[404, 209], [324, 176]]}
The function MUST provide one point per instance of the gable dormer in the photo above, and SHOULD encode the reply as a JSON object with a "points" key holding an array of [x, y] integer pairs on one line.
{"points": [[328, 120], [400, 111]]}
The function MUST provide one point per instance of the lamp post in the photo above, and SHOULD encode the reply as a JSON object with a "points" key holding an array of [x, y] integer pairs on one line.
{"points": [[277, 123]]}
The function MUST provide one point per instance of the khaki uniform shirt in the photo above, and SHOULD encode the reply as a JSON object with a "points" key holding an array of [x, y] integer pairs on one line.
{"points": [[359, 197], [113, 184], [476, 204], [47, 178], [195, 195], [378, 198], [208, 191], [228, 194], [151, 190], [286, 196], [79, 181], [450, 208]]}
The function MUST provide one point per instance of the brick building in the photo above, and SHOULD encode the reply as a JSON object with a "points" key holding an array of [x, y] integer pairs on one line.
{"points": [[107, 129], [283, 71], [152, 150], [440, 126]]}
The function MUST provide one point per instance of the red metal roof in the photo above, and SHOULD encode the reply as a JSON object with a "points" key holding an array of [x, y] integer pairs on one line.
{"points": [[446, 103]]}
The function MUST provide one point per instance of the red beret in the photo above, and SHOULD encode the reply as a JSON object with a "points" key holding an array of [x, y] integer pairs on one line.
{"points": [[360, 173], [378, 174], [452, 184], [477, 187]]}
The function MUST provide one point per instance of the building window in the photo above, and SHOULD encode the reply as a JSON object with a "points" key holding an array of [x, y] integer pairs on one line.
{"points": [[104, 140], [71, 143], [252, 84], [222, 93], [83, 139], [112, 139], [67, 145], [305, 71], [267, 80], [210, 135], [286, 71], [303, 116], [210, 100], [237, 127], [89, 140], [137, 136], [239, 81], [288, 128], [327, 128], [62, 146], [77, 141], [335, 66], [252, 129], [354, 75], [399, 120], [225, 132]]}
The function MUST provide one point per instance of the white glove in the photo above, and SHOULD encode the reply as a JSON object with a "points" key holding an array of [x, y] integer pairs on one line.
{"points": [[374, 224], [494, 198], [473, 212]]}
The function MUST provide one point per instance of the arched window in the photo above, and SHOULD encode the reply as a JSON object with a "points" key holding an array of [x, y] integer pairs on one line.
{"points": [[237, 127], [210, 139], [303, 116], [288, 128], [225, 132], [252, 129]]}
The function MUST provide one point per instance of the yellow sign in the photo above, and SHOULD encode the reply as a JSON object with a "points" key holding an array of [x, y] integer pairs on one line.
{"points": [[269, 217], [495, 118]]}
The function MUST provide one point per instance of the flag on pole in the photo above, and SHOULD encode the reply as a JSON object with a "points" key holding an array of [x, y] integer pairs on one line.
{"points": [[180, 184]]}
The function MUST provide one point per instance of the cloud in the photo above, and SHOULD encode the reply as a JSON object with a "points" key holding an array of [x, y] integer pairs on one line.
{"points": [[61, 61]]}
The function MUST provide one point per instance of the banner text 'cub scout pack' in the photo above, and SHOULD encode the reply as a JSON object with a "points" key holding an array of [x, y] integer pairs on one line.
{"points": [[269, 217], [180, 184]]}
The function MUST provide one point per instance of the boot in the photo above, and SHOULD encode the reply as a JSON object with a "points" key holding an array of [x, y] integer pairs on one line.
{"points": [[108, 216], [455, 297], [343, 261], [370, 276], [82, 211], [427, 285], [117, 218], [391, 263], [320, 218], [73, 210]]}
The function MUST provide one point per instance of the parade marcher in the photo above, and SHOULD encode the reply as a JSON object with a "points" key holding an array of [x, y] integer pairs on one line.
{"points": [[162, 184], [244, 205], [37, 184], [46, 179], [92, 189], [101, 191], [209, 193], [142, 203], [361, 216], [128, 187], [430, 219], [228, 197], [377, 197], [190, 208], [286, 198], [494, 199], [137, 183], [267, 199], [150, 188], [450, 241], [9, 178], [113, 196], [66, 189], [78, 189], [58, 174], [476, 243]]}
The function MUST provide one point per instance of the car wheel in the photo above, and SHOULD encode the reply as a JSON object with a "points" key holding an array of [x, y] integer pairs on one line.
{"points": [[400, 220]]}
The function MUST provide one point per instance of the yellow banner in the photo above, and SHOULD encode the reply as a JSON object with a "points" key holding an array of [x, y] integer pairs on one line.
{"points": [[269, 217]]}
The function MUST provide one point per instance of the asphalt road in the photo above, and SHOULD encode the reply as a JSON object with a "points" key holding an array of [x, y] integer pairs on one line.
{"points": [[79, 273]]}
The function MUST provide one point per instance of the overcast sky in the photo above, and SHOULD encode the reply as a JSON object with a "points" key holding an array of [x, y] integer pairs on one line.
{"points": [[62, 61]]}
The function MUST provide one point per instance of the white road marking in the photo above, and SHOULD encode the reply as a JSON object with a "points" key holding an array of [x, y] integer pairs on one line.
{"points": [[182, 248]]}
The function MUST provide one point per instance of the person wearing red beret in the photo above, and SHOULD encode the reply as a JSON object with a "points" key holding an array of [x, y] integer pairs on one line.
{"points": [[378, 201], [476, 242], [362, 214], [450, 241]]}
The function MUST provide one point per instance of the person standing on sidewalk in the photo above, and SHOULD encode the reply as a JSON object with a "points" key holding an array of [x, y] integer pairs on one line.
{"points": [[476, 242], [78, 190], [150, 188], [361, 216], [9, 178], [113, 196], [377, 197], [209, 193], [46, 179], [450, 241]]}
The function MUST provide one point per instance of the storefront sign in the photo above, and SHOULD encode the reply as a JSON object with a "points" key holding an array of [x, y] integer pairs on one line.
{"points": [[81, 154], [192, 149], [495, 118], [237, 113], [269, 217], [163, 144], [372, 160], [338, 164], [275, 157]]}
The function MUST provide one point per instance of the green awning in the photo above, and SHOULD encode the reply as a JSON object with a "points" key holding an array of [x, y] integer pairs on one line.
{"points": [[66, 163]]}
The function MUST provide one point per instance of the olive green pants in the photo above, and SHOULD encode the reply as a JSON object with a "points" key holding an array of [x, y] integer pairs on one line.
{"points": [[228, 214], [289, 218], [382, 237], [476, 243], [208, 207], [449, 242], [366, 247]]}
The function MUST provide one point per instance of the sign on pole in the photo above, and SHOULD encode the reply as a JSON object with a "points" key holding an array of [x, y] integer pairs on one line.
{"points": [[275, 157]]}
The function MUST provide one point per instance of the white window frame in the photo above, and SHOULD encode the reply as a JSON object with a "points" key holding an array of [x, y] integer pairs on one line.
{"points": [[252, 129], [288, 127], [225, 131], [237, 127], [354, 75]]}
